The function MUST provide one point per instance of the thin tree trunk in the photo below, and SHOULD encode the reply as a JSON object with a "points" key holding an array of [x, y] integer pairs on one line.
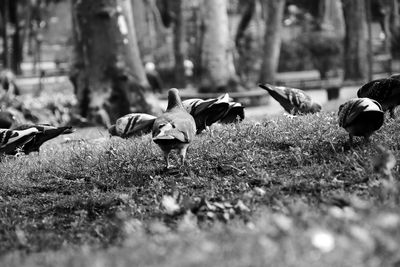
{"points": [[16, 56], [273, 10], [356, 39], [179, 43], [245, 20], [332, 17], [217, 64], [395, 27], [107, 71], [5, 17], [12, 52]]}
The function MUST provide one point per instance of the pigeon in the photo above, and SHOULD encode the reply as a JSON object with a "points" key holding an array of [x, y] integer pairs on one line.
{"points": [[206, 112], [235, 111], [210, 111], [11, 141], [360, 117], [133, 124], [6, 119], [44, 134], [386, 91], [175, 128], [294, 101]]}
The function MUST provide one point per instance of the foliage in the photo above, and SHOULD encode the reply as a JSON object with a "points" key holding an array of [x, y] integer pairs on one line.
{"points": [[293, 191], [294, 56], [325, 50]]}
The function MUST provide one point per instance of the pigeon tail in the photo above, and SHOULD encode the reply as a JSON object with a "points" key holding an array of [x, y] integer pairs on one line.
{"points": [[174, 100], [266, 86]]}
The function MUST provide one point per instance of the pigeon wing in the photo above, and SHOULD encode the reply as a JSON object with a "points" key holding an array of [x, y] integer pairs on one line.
{"points": [[134, 124], [11, 140], [279, 95], [381, 89]]}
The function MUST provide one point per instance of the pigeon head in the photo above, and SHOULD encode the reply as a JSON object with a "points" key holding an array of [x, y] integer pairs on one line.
{"points": [[316, 107], [174, 100]]}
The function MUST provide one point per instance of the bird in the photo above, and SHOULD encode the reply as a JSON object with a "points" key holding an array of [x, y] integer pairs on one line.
{"points": [[206, 112], [133, 124], [386, 91], [11, 141], [45, 133], [294, 101], [174, 129], [6, 119], [235, 111], [209, 111], [360, 117]]}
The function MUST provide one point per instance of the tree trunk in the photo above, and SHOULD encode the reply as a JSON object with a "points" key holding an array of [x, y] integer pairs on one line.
{"points": [[332, 17], [12, 55], [356, 40], [273, 10], [217, 71], [390, 21], [107, 71], [179, 43], [5, 16], [245, 20], [395, 27]]}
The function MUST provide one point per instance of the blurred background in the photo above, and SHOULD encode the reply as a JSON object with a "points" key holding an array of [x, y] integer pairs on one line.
{"points": [[90, 62]]}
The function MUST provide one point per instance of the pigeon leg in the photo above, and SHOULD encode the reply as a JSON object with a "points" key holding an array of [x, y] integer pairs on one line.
{"points": [[182, 154], [166, 158]]}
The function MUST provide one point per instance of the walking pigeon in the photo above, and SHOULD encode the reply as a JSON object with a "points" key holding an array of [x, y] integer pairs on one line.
{"points": [[360, 117], [44, 134], [13, 140], [294, 101], [175, 128], [133, 124], [386, 91]]}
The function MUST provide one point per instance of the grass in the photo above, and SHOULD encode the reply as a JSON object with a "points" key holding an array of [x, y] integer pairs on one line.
{"points": [[282, 192]]}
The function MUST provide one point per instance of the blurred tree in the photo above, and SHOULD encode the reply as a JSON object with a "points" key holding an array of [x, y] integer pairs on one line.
{"points": [[107, 72], [180, 46], [273, 14], [331, 17], [355, 44], [248, 41], [325, 48], [390, 23], [11, 33], [150, 30], [217, 70], [324, 40]]}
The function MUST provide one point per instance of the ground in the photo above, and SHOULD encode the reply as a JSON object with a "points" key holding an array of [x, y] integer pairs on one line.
{"points": [[272, 190]]}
